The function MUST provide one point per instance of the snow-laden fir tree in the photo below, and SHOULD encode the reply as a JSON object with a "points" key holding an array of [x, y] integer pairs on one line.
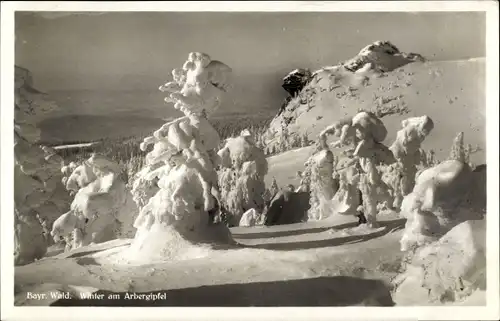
{"points": [[179, 214], [38, 193], [458, 150], [241, 177], [274, 187]]}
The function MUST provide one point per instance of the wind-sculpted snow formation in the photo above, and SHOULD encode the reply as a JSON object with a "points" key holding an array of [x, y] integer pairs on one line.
{"points": [[322, 187], [448, 270], [367, 175], [183, 162], [38, 194], [408, 153], [440, 200], [241, 177], [358, 188], [199, 85], [444, 234], [145, 183], [102, 208]]}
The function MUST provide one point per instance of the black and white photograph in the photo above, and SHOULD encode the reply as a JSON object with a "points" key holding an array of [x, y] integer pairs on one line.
{"points": [[248, 155]]}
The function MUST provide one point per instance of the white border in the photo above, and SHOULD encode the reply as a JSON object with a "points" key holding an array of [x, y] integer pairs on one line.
{"points": [[491, 312]]}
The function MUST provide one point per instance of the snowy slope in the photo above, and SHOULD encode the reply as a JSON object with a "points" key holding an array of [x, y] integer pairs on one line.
{"points": [[452, 93]]}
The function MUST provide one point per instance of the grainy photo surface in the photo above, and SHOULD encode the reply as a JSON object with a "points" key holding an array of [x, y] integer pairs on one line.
{"points": [[249, 159]]}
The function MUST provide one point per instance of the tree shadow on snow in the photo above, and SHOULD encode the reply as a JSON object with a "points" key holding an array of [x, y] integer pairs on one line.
{"points": [[274, 234], [388, 227], [322, 291], [93, 249]]}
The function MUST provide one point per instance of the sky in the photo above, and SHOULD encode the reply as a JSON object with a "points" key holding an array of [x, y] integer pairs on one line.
{"points": [[134, 52]]}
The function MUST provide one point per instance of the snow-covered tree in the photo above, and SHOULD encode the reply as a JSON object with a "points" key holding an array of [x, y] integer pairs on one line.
{"points": [[267, 196], [458, 150], [241, 178], [431, 158], [38, 193], [321, 185], [467, 152], [274, 187], [407, 150], [102, 208], [304, 140], [182, 209]]}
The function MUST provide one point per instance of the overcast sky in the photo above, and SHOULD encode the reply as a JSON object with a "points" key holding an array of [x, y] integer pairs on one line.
{"points": [[137, 51]]}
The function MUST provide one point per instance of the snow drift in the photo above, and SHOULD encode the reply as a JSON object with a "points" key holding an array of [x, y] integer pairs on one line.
{"points": [[445, 233], [451, 269], [439, 201]]}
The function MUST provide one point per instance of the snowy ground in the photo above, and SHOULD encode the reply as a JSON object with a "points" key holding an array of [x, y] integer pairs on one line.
{"points": [[338, 263], [326, 263]]}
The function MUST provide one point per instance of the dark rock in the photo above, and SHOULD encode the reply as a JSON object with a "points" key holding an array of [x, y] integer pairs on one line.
{"points": [[415, 57], [287, 207], [295, 81]]}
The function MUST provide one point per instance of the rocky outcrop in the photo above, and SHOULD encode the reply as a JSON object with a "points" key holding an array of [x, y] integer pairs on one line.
{"points": [[382, 55], [295, 81], [39, 197], [287, 207]]}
